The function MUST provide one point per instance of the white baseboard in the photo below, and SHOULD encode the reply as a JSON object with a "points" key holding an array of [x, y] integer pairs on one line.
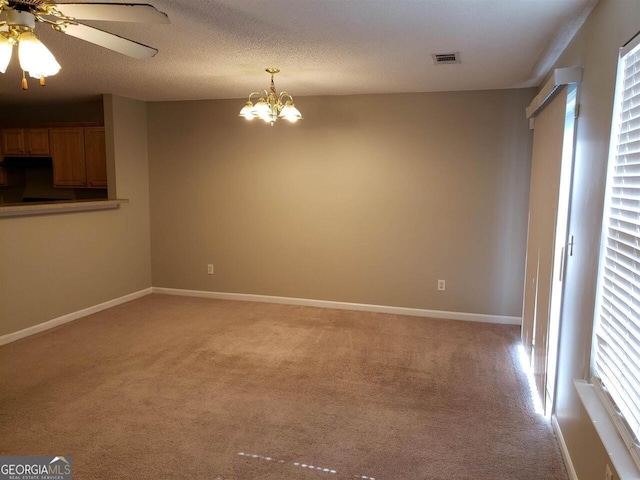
{"points": [[571, 471], [414, 312], [70, 317]]}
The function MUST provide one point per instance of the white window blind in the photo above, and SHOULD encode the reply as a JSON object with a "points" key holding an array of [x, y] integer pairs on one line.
{"points": [[617, 332]]}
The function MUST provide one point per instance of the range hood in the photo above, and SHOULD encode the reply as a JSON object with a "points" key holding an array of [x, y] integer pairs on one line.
{"points": [[27, 162]]}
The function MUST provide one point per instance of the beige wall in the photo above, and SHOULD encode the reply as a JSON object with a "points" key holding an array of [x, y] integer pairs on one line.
{"points": [[51, 265], [611, 24], [369, 199]]}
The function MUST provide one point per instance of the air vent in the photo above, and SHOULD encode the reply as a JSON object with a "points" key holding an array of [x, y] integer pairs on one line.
{"points": [[446, 58]]}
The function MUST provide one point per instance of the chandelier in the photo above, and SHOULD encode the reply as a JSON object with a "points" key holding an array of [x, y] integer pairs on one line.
{"points": [[34, 57], [271, 106]]}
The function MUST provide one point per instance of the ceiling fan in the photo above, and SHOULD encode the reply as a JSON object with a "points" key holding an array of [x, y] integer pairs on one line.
{"points": [[18, 19]]}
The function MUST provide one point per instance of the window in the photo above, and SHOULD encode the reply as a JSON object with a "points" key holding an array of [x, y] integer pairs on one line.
{"points": [[616, 359]]}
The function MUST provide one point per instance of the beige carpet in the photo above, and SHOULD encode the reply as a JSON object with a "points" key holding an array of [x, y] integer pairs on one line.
{"points": [[185, 388]]}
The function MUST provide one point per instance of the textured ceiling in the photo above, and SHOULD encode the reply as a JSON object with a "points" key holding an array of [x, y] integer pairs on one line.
{"points": [[219, 49]]}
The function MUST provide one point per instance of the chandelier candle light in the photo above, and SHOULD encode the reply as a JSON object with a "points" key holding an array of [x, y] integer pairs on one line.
{"points": [[271, 106]]}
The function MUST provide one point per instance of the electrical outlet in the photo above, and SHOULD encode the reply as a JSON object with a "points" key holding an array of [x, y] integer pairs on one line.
{"points": [[441, 285], [607, 473], [210, 269]]}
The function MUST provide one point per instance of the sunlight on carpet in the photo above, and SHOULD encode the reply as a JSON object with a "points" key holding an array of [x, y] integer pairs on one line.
{"points": [[531, 381]]}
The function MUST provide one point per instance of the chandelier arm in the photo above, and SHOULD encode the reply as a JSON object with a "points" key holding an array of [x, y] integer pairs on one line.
{"points": [[285, 94]]}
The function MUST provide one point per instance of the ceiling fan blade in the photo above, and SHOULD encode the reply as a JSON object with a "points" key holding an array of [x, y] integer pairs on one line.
{"points": [[110, 41], [113, 12]]}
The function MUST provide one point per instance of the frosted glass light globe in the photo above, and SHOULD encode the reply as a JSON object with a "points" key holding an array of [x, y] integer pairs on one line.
{"points": [[34, 57]]}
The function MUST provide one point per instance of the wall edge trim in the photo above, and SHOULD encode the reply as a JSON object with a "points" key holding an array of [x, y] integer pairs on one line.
{"points": [[564, 450], [414, 312], [70, 317]]}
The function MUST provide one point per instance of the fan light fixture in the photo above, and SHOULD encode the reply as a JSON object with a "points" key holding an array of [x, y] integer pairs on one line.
{"points": [[6, 49], [18, 19], [270, 106], [35, 58]]}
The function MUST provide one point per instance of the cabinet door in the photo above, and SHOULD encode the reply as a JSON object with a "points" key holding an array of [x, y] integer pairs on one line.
{"points": [[96, 157], [3, 177], [38, 141], [67, 152], [13, 142]]}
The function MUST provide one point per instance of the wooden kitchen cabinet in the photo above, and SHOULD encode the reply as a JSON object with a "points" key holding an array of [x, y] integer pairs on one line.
{"points": [[79, 157], [95, 157], [10, 177], [38, 141], [13, 142], [25, 142], [67, 152]]}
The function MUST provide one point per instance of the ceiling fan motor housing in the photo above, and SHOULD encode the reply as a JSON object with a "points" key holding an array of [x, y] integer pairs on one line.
{"points": [[21, 19]]}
